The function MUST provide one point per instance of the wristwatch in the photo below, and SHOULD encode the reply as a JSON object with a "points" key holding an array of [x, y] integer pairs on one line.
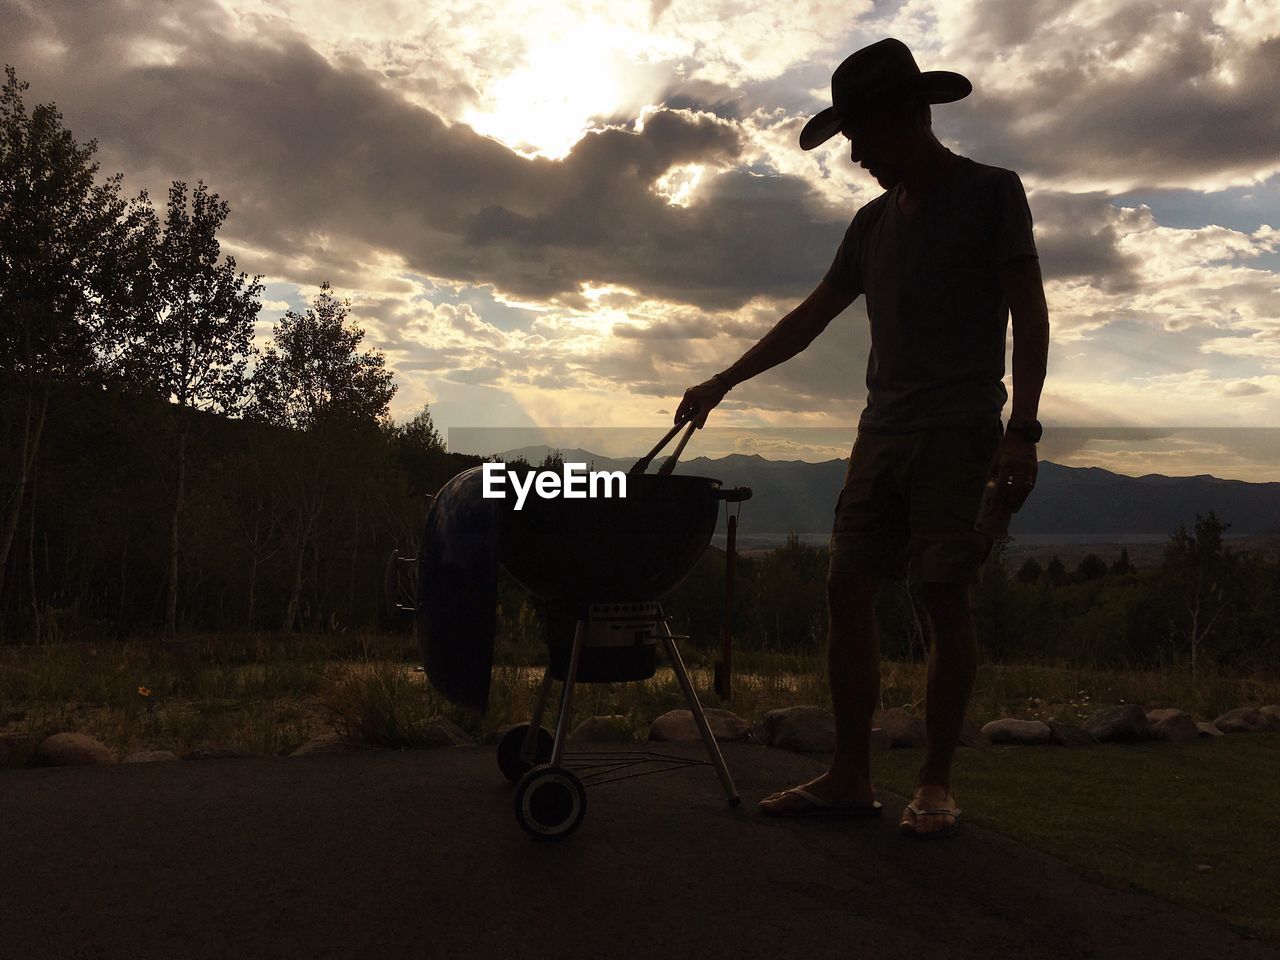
{"points": [[1028, 429], [724, 381]]}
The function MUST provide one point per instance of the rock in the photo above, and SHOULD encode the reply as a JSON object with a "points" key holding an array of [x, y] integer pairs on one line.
{"points": [[805, 729], [71, 749], [679, 725], [1172, 724], [1068, 735], [330, 743], [216, 751], [1125, 723], [726, 725], [1242, 720], [763, 727], [1272, 714], [971, 736], [440, 731], [16, 750], [1206, 729], [150, 756], [1009, 730], [902, 728], [613, 728]]}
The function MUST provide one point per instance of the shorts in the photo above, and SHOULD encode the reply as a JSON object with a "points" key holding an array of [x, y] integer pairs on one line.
{"points": [[909, 504]]}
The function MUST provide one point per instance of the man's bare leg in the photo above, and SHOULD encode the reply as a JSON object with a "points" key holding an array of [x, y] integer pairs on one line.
{"points": [[953, 665], [853, 668]]}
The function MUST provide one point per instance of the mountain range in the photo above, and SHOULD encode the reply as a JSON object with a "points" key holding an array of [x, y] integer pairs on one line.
{"points": [[1075, 503]]}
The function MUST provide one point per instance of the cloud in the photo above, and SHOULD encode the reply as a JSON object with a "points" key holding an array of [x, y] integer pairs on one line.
{"points": [[1134, 95], [321, 164], [1261, 346], [1243, 388], [1078, 236], [339, 138]]}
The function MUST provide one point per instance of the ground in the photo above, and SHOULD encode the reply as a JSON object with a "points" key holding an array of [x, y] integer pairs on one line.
{"points": [[417, 853]]}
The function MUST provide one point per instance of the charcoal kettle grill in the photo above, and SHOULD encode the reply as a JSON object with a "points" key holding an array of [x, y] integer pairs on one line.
{"points": [[598, 566]]}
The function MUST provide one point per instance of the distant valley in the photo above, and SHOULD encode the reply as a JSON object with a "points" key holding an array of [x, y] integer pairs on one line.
{"points": [[1071, 510]]}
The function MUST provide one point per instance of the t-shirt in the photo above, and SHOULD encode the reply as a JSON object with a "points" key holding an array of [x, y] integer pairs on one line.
{"points": [[938, 313]]}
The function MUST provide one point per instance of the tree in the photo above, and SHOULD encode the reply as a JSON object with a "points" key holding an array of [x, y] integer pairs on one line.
{"points": [[313, 379], [1055, 572], [1198, 569], [71, 253], [420, 432], [192, 344], [252, 495], [419, 450], [790, 592], [1091, 567], [1123, 565], [1030, 571], [312, 374]]}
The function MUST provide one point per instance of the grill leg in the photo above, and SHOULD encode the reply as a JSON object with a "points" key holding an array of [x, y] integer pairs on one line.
{"points": [[566, 698], [535, 724], [699, 717]]}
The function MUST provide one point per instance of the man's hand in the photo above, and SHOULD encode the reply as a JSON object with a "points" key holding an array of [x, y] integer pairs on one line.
{"points": [[700, 400], [1014, 468]]}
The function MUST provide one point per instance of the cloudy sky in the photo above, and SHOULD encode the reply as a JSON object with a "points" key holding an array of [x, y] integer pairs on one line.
{"points": [[563, 214]]}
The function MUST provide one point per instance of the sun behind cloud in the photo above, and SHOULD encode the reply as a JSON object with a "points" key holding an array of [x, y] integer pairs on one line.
{"points": [[565, 80]]}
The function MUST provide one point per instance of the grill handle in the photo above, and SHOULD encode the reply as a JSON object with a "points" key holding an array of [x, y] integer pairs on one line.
{"points": [[670, 463], [734, 494], [641, 465]]}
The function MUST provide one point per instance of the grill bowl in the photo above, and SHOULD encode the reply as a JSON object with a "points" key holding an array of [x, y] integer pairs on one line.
{"points": [[585, 551]]}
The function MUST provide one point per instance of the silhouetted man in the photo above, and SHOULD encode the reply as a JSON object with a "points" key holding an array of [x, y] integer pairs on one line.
{"points": [[943, 257]]}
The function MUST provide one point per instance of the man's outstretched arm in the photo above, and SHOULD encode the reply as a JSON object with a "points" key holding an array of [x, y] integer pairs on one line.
{"points": [[790, 335]]}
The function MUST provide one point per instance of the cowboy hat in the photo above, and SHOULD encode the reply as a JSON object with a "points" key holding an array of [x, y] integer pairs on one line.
{"points": [[883, 74]]}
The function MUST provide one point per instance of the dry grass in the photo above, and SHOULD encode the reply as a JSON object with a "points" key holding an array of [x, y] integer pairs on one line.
{"points": [[380, 702], [256, 693], [267, 695]]}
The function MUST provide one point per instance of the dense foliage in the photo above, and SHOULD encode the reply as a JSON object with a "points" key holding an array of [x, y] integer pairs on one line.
{"points": [[1202, 605], [156, 468]]}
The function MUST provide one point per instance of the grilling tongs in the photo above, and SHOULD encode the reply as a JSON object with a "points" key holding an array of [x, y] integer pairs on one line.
{"points": [[669, 464]]}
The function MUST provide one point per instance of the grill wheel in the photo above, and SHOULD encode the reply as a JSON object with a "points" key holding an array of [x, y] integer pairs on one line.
{"points": [[550, 802], [511, 764]]}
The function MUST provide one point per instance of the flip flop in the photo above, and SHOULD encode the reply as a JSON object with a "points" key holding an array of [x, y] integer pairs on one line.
{"points": [[910, 831], [818, 807]]}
